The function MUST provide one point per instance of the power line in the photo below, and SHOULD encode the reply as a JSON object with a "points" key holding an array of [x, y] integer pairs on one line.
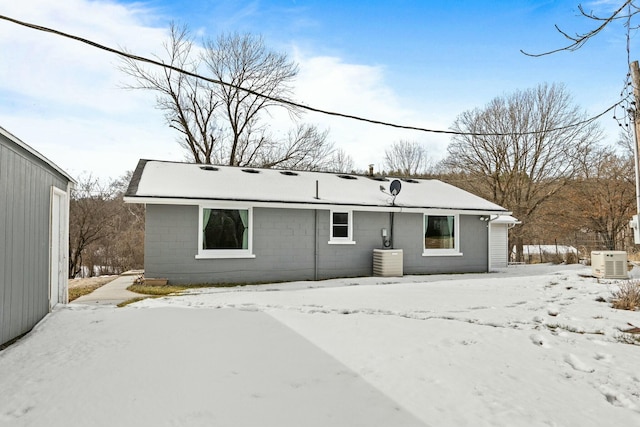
{"points": [[289, 102]]}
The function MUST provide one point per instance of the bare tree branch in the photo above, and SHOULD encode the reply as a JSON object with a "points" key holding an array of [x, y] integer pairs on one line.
{"points": [[579, 40]]}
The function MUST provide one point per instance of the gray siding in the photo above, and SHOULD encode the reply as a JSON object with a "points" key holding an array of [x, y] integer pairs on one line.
{"points": [[25, 192], [284, 244]]}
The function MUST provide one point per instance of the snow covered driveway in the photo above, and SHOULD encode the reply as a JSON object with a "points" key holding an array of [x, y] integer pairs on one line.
{"points": [[175, 367], [464, 350]]}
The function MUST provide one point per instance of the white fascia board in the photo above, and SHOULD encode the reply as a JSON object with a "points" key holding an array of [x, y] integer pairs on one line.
{"points": [[321, 206]]}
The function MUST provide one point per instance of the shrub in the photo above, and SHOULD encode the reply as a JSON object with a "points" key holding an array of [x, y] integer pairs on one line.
{"points": [[554, 258], [571, 258], [627, 296]]}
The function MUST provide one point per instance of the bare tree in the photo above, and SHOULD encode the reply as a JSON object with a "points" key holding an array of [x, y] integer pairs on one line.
{"points": [[521, 149], [106, 236], [306, 148], [406, 158], [605, 196], [90, 220], [225, 123], [244, 62], [341, 162], [189, 105]]}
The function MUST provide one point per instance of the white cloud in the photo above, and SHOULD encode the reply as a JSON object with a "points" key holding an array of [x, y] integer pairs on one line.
{"points": [[329, 83], [64, 98]]}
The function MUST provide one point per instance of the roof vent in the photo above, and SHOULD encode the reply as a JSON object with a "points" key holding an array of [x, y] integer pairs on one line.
{"points": [[347, 177], [378, 178], [410, 181], [208, 168], [250, 171], [289, 173]]}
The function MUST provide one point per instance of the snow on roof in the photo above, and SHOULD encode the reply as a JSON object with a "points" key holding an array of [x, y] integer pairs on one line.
{"points": [[158, 180], [504, 219]]}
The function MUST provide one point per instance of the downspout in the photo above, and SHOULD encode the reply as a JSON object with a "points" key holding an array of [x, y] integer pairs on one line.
{"points": [[315, 245], [316, 241], [392, 230]]}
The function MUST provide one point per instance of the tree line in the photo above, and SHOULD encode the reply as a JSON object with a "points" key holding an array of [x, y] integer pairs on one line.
{"points": [[533, 152]]}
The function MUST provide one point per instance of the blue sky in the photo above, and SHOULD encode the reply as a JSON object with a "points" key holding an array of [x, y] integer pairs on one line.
{"points": [[418, 63]]}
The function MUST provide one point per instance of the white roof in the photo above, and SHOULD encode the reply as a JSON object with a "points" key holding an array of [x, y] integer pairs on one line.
{"points": [[156, 181], [504, 219]]}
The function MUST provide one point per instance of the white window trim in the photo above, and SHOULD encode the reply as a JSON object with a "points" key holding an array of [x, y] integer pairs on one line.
{"points": [[456, 233], [341, 240], [225, 253]]}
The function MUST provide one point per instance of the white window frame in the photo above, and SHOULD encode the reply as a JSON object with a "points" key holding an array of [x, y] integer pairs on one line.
{"points": [[456, 235], [341, 240], [225, 253]]}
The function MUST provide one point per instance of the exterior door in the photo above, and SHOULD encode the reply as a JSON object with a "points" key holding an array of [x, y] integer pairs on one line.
{"points": [[58, 257]]}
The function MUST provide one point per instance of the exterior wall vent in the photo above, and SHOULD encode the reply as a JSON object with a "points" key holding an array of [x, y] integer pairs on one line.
{"points": [[609, 264], [387, 262]]}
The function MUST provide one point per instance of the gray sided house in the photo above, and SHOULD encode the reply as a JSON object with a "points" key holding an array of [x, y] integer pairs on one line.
{"points": [[34, 236], [208, 224]]}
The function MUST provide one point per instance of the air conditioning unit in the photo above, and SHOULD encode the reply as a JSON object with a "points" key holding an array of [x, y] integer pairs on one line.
{"points": [[609, 264], [387, 262]]}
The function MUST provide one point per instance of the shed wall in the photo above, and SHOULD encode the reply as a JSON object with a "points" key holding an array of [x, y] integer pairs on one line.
{"points": [[284, 243], [25, 204]]}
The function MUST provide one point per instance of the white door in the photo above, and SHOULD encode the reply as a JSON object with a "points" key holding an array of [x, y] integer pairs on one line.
{"points": [[58, 280]]}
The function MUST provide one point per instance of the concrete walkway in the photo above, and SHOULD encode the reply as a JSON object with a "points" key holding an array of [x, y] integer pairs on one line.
{"points": [[113, 293]]}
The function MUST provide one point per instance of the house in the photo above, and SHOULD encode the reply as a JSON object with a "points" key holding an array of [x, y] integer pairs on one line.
{"points": [[34, 236], [209, 224]]}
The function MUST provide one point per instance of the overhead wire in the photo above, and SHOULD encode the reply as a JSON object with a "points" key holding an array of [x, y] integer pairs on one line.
{"points": [[289, 102]]}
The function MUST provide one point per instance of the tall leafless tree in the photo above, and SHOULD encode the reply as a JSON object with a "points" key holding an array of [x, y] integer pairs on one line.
{"points": [[406, 158], [522, 148], [225, 123], [341, 162]]}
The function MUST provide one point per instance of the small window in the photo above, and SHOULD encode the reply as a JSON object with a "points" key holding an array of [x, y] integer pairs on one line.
{"points": [[225, 233], [440, 235], [341, 227]]}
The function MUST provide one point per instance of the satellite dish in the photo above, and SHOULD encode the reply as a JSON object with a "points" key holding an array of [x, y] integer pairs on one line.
{"points": [[395, 187]]}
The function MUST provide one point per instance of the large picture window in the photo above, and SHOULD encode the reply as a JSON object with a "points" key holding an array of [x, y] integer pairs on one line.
{"points": [[440, 234], [224, 233]]}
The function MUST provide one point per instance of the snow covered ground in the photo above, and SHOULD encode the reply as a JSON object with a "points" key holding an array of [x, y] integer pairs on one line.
{"points": [[528, 346]]}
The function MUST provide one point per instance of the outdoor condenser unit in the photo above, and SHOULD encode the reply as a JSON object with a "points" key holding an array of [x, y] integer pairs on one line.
{"points": [[387, 262], [609, 264]]}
